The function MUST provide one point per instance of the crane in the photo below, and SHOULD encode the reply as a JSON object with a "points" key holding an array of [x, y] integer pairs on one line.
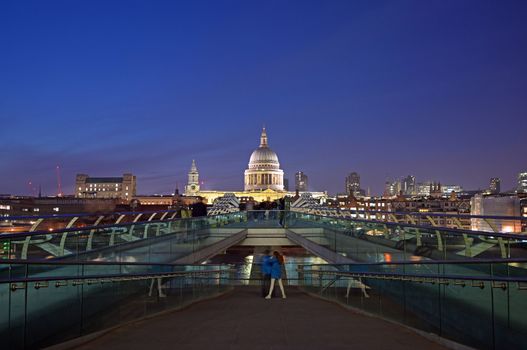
{"points": [[59, 182]]}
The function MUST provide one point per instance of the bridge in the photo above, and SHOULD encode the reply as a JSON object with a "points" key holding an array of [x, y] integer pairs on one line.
{"points": [[113, 280]]}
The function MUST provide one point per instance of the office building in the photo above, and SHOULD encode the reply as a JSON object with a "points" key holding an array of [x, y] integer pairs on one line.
{"points": [[522, 182], [301, 182], [495, 185], [105, 187], [353, 184]]}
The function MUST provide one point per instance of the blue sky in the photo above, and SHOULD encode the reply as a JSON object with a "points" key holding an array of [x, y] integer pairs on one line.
{"points": [[436, 89]]}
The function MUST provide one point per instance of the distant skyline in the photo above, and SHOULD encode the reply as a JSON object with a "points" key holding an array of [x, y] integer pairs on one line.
{"points": [[435, 89]]}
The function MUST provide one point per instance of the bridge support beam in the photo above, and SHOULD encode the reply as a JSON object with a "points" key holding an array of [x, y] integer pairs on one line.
{"points": [[318, 250], [213, 249]]}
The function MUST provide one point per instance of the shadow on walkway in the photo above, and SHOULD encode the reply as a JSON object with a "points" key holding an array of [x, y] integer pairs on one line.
{"points": [[243, 320]]}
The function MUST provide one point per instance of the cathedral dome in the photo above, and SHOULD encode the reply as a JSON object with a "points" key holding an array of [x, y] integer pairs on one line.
{"points": [[264, 169], [265, 157]]}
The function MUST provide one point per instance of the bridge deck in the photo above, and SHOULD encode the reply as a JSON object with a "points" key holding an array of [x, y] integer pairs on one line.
{"points": [[243, 320]]}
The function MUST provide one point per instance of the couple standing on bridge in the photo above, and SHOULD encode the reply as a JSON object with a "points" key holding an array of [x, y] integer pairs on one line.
{"points": [[271, 266]]}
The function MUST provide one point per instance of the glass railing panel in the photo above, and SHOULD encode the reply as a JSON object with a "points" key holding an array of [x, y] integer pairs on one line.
{"points": [[13, 304], [421, 306], [53, 312], [64, 303], [419, 238], [98, 241], [466, 314], [4, 314], [472, 303], [510, 306]]}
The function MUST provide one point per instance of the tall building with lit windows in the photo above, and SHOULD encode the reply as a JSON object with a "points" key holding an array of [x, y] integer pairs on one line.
{"points": [[301, 182], [522, 182], [353, 184], [408, 185], [124, 187], [495, 185]]}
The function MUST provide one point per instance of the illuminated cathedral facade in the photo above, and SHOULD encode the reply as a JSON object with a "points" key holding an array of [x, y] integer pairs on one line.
{"points": [[263, 178]]}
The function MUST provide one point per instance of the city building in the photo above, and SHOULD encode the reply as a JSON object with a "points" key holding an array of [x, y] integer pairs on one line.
{"points": [[162, 201], [442, 205], [300, 182], [522, 182], [423, 189], [408, 185], [106, 187], [495, 206], [390, 189], [353, 184], [495, 185], [25, 206], [263, 179], [436, 190], [350, 202], [523, 211], [264, 171]]}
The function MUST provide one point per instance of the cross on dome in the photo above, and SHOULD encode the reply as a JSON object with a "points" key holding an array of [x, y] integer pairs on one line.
{"points": [[263, 138]]}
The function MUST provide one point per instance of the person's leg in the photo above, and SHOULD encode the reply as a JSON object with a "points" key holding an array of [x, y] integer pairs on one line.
{"points": [[266, 282], [281, 287], [151, 287], [160, 288], [270, 289], [363, 288], [350, 282]]}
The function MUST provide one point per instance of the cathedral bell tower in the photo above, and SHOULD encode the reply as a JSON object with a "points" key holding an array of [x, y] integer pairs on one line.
{"points": [[192, 187]]}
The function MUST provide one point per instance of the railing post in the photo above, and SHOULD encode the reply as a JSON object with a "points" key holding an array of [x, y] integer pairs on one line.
{"points": [[439, 241], [468, 244]]}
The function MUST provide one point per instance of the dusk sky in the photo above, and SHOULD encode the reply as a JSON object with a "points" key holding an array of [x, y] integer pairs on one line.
{"points": [[436, 89]]}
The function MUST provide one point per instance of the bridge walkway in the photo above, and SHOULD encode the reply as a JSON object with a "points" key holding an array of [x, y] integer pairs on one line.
{"points": [[243, 320]]}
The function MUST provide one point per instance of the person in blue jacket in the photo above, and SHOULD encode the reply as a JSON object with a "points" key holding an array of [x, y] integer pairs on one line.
{"points": [[276, 273], [266, 272]]}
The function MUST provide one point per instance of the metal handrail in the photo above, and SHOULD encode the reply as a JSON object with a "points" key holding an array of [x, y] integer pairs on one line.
{"points": [[460, 216], [91, 262], [100, 227], [454, 231], [121, 277], [58, 216], [431, 262], [391, 275]]}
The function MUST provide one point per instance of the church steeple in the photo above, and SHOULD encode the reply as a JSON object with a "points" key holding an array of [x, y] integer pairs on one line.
{"points": [[193, 167], [263, 138], [192, 186]]}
